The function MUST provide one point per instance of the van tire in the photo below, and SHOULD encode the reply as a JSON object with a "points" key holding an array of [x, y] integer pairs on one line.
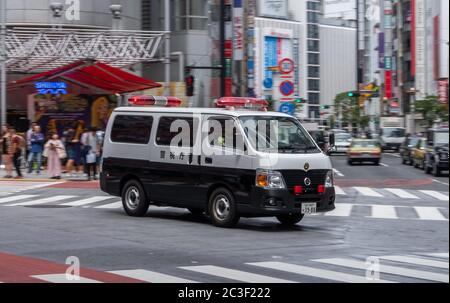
{"points": [[291, 219], [222, 208], [134, 199]]}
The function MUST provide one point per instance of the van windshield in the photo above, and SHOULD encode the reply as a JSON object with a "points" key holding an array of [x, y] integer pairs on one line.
{"points": [[278, 135], [394, 132]]}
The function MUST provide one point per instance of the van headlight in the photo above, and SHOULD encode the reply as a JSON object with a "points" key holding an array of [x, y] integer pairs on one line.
{"points": [[269, 179], [329, 179]]}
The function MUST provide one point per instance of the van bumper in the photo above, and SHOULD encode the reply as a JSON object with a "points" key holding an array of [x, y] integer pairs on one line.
{"points": [[286, 202], [109, 185]]}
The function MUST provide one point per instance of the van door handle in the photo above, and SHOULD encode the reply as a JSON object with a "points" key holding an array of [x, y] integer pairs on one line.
{"points": [[208, 160], [199, 160]]}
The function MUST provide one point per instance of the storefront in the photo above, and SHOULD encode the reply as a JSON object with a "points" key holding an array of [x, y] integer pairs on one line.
{"points": [[79, 95]]}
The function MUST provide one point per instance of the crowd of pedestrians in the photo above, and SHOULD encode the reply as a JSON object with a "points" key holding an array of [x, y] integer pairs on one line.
{"points": [[70, 156]]}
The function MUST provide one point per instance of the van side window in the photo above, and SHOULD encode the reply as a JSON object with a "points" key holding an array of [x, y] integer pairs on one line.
{"points": [[223, 133], [165, 137], [132, 129]]}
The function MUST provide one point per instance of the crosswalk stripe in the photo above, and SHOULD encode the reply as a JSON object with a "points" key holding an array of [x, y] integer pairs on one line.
{"points": [[368, 192], [234, 274], [16, 198], [150, 276], [435, 194], [401, 193], [429, 213], [62, 278], [439, 255], [383, 212], [87, 201], [342, 210], [316, 272], [339, 191], [416, 261], [43, 201], [114, 205], [393, 270]]}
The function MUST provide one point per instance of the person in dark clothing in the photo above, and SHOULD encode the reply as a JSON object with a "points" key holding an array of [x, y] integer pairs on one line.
{"points": [[16, 152], [37, 140]]}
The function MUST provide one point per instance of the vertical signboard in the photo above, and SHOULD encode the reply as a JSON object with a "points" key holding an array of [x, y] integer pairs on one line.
{"points": [[388, 84], [251, 14], [238, 32], [420, 45], [228, 49], [381, 52]]}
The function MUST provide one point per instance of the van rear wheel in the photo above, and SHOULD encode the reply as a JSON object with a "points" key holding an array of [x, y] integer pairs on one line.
{"points": [[222, 208], [134, 199], [291, 219]]}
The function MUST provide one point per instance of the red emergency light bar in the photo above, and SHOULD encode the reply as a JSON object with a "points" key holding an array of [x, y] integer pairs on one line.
{"points": [[155, 101], [242, 102]]}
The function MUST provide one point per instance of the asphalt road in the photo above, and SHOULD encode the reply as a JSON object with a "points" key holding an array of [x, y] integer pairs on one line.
{"points": [[392, 212]]}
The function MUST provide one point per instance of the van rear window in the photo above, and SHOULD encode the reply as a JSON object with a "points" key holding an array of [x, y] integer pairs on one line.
{"points": [[132, 129]]}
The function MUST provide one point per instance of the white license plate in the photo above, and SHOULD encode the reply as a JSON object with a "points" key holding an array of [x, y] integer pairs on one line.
{"points": [[309, 208]]}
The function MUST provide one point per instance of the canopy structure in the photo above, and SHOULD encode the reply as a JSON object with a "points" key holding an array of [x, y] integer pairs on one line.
{"points": [[92, 75], [35, 50]]}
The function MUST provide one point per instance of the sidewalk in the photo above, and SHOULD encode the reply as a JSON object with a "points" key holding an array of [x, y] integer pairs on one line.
{"points": [[43, 177]]}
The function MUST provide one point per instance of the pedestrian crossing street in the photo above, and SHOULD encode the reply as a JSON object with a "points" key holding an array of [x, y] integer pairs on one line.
{"points": [[371, 209], [419, 267]]}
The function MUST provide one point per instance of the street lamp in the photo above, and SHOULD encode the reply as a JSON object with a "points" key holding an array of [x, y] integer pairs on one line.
{"points": [[116, 10], [3, 55]]}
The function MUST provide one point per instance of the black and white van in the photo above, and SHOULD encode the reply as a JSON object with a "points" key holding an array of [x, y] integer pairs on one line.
{"points": [[226, 163]]}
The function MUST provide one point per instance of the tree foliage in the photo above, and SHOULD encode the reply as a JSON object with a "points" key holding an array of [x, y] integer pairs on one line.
{"points": [[432, 110]]}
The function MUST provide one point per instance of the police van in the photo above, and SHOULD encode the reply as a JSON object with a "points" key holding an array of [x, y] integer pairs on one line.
{"points": [[236, 160]]}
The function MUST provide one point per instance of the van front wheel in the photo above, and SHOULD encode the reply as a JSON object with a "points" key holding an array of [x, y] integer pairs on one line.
{"points": [[134, 199], [222, 208]]}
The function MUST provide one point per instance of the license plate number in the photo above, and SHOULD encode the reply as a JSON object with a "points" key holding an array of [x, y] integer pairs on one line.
{"points": [[309, 208]]}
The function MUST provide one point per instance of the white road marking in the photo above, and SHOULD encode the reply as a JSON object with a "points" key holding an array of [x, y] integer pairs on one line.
{"points": [[416, 261], [62, 278], [115, 205], [316, 272], [386, 269], [44, 201], [338, 173], [430, 213], [437, 181], [87, 201], [385, 165], [339, 191], [234, 274], [368, 192], [401, 193], [439, 255], [150, 276], [383, 212], [16, 198], [435, 194], [342, 210]]}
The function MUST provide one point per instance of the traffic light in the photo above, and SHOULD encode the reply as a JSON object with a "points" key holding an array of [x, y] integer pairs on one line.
{"points": [[300, 101], [353, 94], [190, 85], [324, 107]]}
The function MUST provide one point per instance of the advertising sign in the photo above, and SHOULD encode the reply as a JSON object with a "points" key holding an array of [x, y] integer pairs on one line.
{"points": [[344, 9], [56, 113], [238, 33], [273, 9]]}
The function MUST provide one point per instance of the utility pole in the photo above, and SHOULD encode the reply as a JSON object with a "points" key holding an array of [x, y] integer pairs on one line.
{"points": [[3, 111], [222, 47], [167, 59]]}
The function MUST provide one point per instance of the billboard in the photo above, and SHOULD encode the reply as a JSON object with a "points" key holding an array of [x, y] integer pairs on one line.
{"points": [[273, 9], [345, 9]]}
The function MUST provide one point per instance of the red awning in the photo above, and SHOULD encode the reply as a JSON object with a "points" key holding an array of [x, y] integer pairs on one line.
{"points": [[95, 75]]}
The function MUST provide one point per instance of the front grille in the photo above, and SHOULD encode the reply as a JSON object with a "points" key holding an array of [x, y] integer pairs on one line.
{"points": [[297, 178]]}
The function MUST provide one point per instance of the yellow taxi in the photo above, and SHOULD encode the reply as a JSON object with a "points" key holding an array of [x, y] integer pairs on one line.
{"points": [[364, 150], [418, 153]]}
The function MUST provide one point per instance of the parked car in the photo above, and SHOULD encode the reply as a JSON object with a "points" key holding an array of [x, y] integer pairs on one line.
{"points": [[418, 153], [364, 150], [436, 151], [342, 142], [406, 150]]}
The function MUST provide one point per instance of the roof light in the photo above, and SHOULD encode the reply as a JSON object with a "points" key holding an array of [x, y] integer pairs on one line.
{"points": [[242, 102], [155, 101]]}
